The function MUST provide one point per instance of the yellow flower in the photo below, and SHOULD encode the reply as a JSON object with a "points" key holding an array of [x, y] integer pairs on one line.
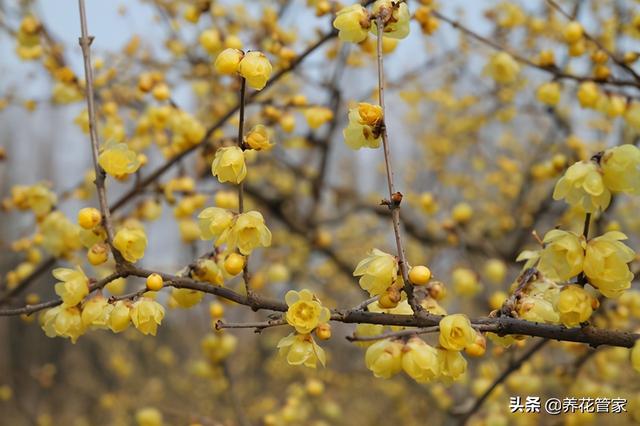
{"points": [[495, 270], [420, 361], [63, 321], [247, 233], [146, 315], [588, 94], [305, 312], [562, 256], [452, 364], [465, 282], [621, 169], [317, 116], [210, 40], [59, 236], [575, 305], [131, 243], [258, 138], [397, 26], [218, 346], [118, 160], [582, 185], [605, 263], [301, 349], [227, 61], [119, 317], [228, 165], [456, 332], [74, 285], [377, 272], [384, 358], [537, 309], [352, 23], [214, 222], [635, 356], [96, 312], [363, 129], [148, 416], [186, 297], [256, 69], [549, 93], [503, 68]]}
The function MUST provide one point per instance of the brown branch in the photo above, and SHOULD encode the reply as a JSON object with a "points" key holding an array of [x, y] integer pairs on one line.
{"points": [[501, 325], [85, 42], [394, 197], [514, 366], [599, 45], [557, 74]]}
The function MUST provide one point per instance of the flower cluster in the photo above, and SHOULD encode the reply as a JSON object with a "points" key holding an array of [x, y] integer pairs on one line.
{"points": [[244, 232], [354, 22], [305, 314], [76, 314], [254, 67], [589, 184]]}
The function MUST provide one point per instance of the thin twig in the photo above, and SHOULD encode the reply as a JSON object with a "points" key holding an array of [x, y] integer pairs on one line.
{"points": [[394, 197], [85, 42], [514, 366]]}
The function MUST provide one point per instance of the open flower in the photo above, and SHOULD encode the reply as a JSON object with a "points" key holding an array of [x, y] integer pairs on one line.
{"points": [[397, 23], [301, 349], [606, 263], [305, 312], [146, 315], [63, 321], [575, 305], [74, 285], [95, 312], [228, 165], [384, 358], [452, 364], [562, 256], [248, 232], [621, 169], [352, 23], [420, 361], [377, 272], [456, 332], [119, 317], [214, 222], [118, 160], [363, 129], [258, 138], [131, 243], [582, 185]]}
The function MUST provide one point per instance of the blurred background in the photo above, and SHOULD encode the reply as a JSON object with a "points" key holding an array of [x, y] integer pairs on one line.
{"points": [[457, 137]]}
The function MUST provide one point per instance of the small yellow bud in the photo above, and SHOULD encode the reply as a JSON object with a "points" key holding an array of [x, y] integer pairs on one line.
{"points": [[258, 138], [98, 254], [419, 275], [572, 32], [462, 213], [89, 217], [234, 263], [477, 348], [161, 92], [323, 331], [227, 61], [216, 310], [154, 282]]}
